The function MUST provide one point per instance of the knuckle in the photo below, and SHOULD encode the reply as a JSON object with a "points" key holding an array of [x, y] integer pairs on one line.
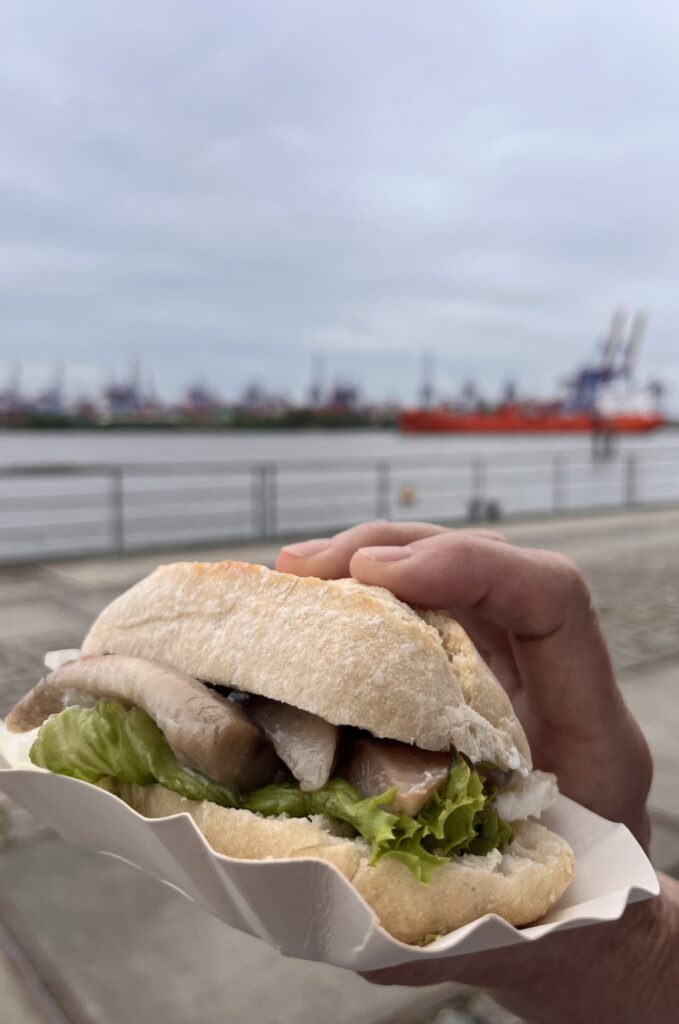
{"points": [[571, 581], [453, 548], [386, 531], [464, 544], [376, 532], [362, 533], [487, 534]]}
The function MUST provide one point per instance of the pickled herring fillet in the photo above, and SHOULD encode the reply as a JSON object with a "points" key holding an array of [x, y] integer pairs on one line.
{"points": [[374, 766], [306, 743], [205, 731]]}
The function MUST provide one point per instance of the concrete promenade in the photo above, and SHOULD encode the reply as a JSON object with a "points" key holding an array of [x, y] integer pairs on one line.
{"points": [[88, 940]]}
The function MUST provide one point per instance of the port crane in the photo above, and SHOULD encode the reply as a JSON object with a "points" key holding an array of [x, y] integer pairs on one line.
{"points": [[601, 396], [608, 386]]}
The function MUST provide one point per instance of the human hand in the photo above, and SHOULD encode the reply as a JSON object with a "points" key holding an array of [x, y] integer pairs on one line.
{"points": [[530, 616]]}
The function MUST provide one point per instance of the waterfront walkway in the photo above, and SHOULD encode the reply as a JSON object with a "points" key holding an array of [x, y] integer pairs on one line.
{"points": [[88, 940]]}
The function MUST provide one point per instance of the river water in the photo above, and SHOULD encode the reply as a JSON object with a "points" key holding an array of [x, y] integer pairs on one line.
{"points": [[179, 488], [101, 446]]}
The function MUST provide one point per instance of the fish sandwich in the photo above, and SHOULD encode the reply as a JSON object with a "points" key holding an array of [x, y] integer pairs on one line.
{"points": [[303, 718]]}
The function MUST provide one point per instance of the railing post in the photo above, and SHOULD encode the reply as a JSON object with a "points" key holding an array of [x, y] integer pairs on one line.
{"points": [[557, 483], [265, 499], [117, 509], [383, 491], [478, 478], [260, 500], [476, 507], [631, 479], [272, 500]]}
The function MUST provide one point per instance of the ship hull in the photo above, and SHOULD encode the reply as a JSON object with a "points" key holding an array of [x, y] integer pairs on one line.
{"points": [[439, 421]]}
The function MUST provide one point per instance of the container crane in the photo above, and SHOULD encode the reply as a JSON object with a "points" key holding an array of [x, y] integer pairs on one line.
{"points": [[614, 340], [601, 396], [634, 343]]}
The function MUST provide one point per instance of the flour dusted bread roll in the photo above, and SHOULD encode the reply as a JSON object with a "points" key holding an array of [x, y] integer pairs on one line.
{"points": [[519, 885], [307, 718], [352, 654]]}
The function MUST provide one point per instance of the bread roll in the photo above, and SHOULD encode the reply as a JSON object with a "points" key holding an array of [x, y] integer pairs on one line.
{"points": [[355, 655], [519, 885]]}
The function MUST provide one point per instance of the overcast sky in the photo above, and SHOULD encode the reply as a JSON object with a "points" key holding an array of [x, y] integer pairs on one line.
{"points": [[225, 189]]}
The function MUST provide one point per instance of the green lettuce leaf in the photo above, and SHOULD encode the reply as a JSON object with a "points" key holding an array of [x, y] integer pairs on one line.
{"points": [[338, 799], [407, 846], [492, 833], [458, 820], [110, 741], [448, 825], [450, 818]]}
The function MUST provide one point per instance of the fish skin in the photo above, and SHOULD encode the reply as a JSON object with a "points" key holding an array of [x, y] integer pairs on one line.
{"points": [[205, 731]]}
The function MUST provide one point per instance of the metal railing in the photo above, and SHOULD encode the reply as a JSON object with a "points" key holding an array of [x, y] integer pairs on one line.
{"points": [[63, 510]]}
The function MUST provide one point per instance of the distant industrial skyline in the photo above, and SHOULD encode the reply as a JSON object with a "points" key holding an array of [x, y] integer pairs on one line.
{"points": [[225, 190], [131, 388], [607, 384], [617, 351]]}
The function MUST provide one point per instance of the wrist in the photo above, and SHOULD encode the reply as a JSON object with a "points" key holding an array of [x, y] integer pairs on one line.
{"points": [[622, 970]]}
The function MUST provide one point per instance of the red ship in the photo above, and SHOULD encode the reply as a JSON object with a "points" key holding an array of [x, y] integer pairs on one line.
{"points": [[517, 420], [601, 397]]}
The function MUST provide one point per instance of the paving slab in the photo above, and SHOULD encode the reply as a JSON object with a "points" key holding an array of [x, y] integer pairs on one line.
{"points": [[15, 1001], [665, 842], [652, 693], [90, 572], [22, 620], [134, 950]]}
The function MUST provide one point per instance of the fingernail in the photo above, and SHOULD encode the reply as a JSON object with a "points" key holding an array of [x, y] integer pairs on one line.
{"points": [[386, 554], [307, 548]]}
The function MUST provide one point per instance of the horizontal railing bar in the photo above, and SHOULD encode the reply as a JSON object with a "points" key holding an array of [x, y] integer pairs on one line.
{"points": [[660, 462], [47, 523], [55, 530], [547, 467], [354, 505], [320, 489], [434, 460], [184, 487], [142, 523], [54, 501], [661, 480], [132, 521], [57, 469], [173, 539], [582, 485], [140, 500], [320, 477]]}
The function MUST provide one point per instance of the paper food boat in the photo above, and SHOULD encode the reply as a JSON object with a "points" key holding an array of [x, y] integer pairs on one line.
{"points": [[304, 907]]}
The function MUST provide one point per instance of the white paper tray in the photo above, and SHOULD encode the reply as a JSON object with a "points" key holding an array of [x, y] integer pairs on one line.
{"points": [[305, 908]]}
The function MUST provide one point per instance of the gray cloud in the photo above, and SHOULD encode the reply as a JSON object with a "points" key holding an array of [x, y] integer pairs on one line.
{"points": [[225, 188]]}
